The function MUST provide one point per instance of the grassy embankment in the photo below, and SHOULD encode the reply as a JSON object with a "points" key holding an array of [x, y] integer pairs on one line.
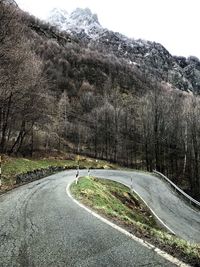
{"points": [[115, 201], [12, 166]]}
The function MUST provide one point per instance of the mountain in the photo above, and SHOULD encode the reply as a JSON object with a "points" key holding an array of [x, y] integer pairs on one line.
{"points": [[151, 58], [93, 91], [79, 23]]}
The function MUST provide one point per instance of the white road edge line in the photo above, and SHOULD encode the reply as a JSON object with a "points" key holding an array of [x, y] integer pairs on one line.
{"points": [[153, 212], [139, 240], [160, 220]]}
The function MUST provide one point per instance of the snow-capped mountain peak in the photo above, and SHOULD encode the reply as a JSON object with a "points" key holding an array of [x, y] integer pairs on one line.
{"points": [[144, 55], [58, 17], [84, 17], [80, 20]]}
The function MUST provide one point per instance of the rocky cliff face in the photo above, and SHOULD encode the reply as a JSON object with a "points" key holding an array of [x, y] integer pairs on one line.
{"points": [[80, 23], [150, 57]]}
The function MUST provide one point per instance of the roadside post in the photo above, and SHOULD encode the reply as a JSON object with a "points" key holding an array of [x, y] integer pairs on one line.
{"points": [[131, 184], [77, 170], [77, 176], [78, 163], [88, 172], [0, 174]]}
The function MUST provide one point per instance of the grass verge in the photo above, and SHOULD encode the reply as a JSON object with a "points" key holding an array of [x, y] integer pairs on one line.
{"points": [[12, 166], [114, 201]]}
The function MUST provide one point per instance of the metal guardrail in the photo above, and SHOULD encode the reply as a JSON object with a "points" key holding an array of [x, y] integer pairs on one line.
{"points": [[188, 198]]}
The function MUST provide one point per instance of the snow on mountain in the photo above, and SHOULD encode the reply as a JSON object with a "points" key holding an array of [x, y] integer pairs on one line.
{"points": [[58, 17], [80, 20], [150, 57]]}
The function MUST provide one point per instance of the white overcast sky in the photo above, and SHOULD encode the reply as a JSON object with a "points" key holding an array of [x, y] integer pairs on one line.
{"points": [[173, 23]]}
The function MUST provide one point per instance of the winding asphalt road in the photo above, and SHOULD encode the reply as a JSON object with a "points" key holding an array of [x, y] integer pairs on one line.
{"points": [[40, 225]]}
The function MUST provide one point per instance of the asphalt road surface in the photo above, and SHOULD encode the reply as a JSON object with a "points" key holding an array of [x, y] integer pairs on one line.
{"points": [[41, 226]]}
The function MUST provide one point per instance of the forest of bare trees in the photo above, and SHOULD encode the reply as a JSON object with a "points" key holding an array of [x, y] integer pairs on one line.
{"points": [[159, 131], [74, 99], [22, 87]]}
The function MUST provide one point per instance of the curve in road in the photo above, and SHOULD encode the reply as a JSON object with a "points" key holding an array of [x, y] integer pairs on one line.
{"points": [[176, 214], [41, 226]]}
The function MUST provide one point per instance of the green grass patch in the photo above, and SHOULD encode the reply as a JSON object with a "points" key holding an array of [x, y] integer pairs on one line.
{"points": [[115, 201], [12, 166]]}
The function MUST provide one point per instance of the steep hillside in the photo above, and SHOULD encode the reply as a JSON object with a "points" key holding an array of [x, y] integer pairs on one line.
{"points": [[69, 61], [150, 57]]}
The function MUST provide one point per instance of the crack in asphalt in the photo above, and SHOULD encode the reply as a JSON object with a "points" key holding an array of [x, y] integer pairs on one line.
{"points": [[19, 222], [41, 226]]}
